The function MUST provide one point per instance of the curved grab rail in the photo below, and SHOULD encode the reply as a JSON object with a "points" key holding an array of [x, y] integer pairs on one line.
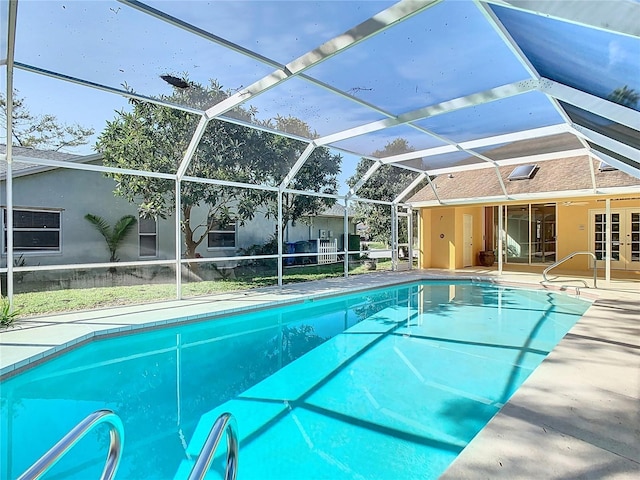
{"points": [[227, 422], [571, 255], [116, 436]]}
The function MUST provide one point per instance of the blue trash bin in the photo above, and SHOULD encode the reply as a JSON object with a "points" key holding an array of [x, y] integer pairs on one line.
{"points": [[289, 247]]}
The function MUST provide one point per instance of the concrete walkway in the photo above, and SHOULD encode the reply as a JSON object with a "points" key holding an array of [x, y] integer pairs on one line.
{"points": [[576, 417]]}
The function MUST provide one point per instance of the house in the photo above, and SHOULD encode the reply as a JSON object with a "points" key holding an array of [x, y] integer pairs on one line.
{"points": [[552, 209], [50, 229]]}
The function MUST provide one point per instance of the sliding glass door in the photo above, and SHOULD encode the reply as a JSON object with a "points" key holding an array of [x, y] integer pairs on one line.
{"points": [[530, 233]]}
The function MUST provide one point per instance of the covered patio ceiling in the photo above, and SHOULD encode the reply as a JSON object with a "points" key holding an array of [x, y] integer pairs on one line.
{"points": [[456, 79]]}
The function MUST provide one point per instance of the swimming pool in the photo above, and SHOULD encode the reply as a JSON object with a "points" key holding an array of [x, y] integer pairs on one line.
{"points": [[384, 384]]}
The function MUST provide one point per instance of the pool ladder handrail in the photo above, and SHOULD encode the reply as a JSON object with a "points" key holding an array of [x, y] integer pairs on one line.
{"points": [[225, 422], [571, 255], [116, 435]]}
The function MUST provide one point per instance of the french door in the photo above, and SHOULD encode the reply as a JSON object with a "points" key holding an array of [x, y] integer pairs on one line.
{"points": [[625, 238]]}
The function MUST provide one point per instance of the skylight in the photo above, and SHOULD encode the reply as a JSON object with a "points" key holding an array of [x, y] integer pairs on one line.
{"points": [[522, 172], [605, 167]]}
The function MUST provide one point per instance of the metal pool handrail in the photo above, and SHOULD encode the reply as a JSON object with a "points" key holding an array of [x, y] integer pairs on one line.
{"points": [[571, 255], [116, 434], [227, 422]]}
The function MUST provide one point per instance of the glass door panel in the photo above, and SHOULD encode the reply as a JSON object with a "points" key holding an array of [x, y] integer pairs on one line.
{"points": [[600, 238], [517, 234], [543, 233], [633, 240]]}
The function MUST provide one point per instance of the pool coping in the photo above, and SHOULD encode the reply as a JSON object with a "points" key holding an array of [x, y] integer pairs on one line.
{"points": [[516, 442]]}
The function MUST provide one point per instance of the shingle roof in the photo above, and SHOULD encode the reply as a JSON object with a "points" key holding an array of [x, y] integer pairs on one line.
{"points": [[336, 210], [566, 174], [20, 153]]}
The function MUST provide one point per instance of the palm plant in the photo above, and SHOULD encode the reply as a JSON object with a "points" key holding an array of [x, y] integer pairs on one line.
{"points": [[114, 236], [7, 314]]}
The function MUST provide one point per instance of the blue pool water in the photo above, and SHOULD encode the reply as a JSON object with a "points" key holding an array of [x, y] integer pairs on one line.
{"points": [[386, 384]]}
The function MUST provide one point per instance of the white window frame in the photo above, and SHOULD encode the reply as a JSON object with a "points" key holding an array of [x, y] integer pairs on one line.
{"points": [[31, 251], [227, 232], [147, 234]]}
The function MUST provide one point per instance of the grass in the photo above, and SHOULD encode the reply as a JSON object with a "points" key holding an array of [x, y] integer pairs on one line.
{"points": [[377, 245], [58, 301]]}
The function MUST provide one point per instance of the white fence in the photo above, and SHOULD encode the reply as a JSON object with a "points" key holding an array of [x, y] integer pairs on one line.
{"points": [[327, 251]]}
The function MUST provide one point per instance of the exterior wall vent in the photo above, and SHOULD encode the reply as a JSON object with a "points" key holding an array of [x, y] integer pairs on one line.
{"points": [[522, 172]]}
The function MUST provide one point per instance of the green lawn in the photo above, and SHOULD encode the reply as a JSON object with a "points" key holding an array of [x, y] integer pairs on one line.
{"points": [[56, 301]]}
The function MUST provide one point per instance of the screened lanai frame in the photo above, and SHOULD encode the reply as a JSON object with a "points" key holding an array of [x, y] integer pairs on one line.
{"points": [[431, 121]]}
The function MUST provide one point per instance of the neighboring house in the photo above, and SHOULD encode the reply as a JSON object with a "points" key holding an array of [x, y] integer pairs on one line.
{"points": [[328, 225], [50, 229], [553, 208]]}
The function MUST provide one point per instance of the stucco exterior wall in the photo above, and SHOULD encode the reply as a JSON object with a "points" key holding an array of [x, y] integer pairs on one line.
{"points": [[74, 193], [438, 230], [442, 231]]}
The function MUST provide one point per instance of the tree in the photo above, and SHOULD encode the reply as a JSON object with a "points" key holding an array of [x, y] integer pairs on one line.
{"points": [[385, 184], [154, 138], [115, 236], [625, 96], [318, 174], [43, 132]]}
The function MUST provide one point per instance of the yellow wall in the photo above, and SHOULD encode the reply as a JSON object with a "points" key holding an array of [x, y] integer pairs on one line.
{"points": [[441, 235], [572, 226], [438, 237]]}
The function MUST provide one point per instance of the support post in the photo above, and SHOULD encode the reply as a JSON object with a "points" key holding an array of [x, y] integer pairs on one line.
{"points": [[394, 237], [280, 239], [11, 39], [500, 237], [345, 247], [178, 239], [608, 246], [410, 236]]}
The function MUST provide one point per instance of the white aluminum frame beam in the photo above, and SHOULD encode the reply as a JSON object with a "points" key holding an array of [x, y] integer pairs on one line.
{"points": [[491, 95], [609, 143], [619, 17], [11, 41], [193, 146], [507, 39], [297, 166], [249, 53], [367, 175], [97, 86], [529, 197], [400, 197], [367, 29], [634, 172], [368, 200], [93, 168], [513, 161], [176, 22], [591, 103]]}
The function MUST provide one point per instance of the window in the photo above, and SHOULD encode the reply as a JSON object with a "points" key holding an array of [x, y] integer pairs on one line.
{"points": [[148, 237], [222, 235], [34, 231]]}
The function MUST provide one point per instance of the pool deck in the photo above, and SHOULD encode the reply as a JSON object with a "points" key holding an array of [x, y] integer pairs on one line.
{"points": [[576, 417]]}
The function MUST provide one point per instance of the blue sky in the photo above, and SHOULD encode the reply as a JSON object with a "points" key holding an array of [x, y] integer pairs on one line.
{"points": [[443, 53]]}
